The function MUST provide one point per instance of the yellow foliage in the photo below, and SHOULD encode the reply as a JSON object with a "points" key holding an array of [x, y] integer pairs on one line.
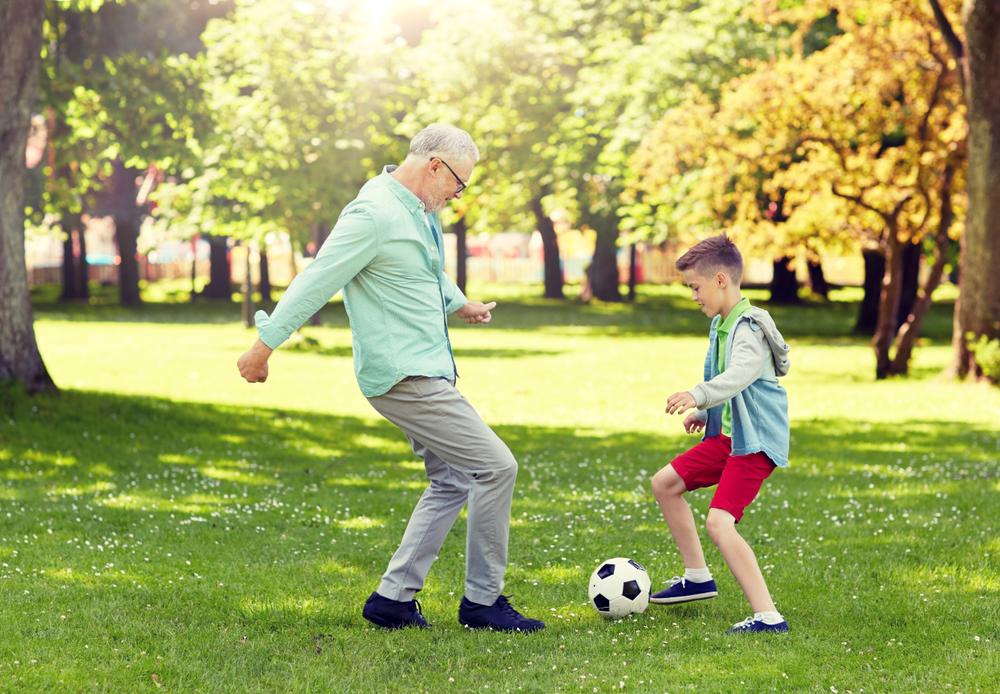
{"points": [[850, 140]]}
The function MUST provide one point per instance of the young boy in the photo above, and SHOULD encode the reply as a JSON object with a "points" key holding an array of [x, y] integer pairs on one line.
{"points": [[745, 416]]}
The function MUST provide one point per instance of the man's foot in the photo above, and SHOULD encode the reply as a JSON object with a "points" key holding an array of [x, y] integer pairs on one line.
{"points": [[681, 590], [755, 624], [500, 616], [393, 614]]}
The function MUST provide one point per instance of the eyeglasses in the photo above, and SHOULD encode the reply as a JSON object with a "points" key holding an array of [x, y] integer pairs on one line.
{"points": [[462, 185]]}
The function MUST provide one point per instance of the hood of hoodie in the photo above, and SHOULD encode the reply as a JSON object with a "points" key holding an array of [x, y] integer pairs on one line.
{"points": [[779, 348]]}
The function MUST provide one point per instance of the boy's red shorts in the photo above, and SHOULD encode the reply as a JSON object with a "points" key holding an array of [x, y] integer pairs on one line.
{"points": [[739, 476]]}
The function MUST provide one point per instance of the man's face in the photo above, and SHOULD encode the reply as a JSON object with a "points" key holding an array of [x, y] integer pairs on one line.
{"points": [[707, 289], [446, 184]]}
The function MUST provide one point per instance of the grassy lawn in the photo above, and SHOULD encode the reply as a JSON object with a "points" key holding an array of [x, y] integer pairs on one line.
{"points": [[166, 526]]}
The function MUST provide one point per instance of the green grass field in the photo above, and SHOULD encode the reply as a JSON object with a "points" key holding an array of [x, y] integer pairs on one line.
{"points": [[166, 526]]}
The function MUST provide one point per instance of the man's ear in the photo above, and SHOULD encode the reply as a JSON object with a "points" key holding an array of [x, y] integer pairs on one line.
{"points": [[721, 279]]}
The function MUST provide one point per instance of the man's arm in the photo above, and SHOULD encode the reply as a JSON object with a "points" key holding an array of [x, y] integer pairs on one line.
{"points": [[349, 248]]}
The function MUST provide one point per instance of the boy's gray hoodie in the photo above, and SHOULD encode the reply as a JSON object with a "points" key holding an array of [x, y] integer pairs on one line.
{"points": [[756, 355]]}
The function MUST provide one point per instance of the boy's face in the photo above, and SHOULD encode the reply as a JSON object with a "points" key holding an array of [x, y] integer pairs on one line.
{"points": [[708, 289]]}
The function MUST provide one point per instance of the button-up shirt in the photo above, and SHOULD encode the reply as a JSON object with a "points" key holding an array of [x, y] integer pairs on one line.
{"points": [[386, 253]]}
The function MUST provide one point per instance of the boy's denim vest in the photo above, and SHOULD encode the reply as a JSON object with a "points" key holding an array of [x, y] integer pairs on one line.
{"points": [[760, 411]]}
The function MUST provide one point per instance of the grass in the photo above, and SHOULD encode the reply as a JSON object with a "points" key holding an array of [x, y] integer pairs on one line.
{"points": [[168, 527]]}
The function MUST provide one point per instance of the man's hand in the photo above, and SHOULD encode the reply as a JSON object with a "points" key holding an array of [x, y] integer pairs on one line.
{"points": [[679, 403], [253, 363], [692, 423], [475, 312]]}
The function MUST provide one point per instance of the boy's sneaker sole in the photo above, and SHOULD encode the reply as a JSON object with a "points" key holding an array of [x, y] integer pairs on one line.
{"points": [[683, 598]]}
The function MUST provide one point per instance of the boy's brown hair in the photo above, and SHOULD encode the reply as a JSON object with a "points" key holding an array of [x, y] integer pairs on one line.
{"points": [[711, 255]]}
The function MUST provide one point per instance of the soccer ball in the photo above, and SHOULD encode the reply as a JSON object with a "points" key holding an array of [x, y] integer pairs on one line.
{"points": [[619, 587]]}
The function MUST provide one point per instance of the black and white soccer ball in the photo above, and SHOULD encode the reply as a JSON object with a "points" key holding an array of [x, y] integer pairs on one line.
{"points": [[619, 587]]}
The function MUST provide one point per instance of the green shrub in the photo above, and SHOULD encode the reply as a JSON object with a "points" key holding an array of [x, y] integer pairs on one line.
{"points": [[987, 353]]}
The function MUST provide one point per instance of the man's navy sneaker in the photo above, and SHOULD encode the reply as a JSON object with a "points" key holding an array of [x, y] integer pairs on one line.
{"points": [[393, 614], [754, 625], [500, 616], [681, 590]]}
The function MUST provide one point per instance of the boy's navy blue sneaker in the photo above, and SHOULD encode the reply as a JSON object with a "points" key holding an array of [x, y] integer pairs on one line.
{"points": [[500, 616], [753, 625], [680, 590], [393, 614]]}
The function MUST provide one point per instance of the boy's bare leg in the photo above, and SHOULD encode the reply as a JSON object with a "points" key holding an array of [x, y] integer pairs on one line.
{"points": [[668, 488], [740, 559]]}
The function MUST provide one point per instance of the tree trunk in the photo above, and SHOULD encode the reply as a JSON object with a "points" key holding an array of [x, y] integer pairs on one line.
{"points": [[888, 309], [910, 330], [978, 309], [874, 272], [784, 284], [265, 277], [219, 273], [632, 271], [817, 280], [550, 251], [83, 267], [247, 289], [604, 266], [913, 253], [127, 236], [119, 202], [20, 360], [461, 253], [69, 281], [320, 233], [194, 267]]}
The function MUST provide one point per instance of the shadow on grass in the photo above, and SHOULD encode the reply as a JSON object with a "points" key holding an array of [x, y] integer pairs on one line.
{"points": [[264, 521], [657, 311]]}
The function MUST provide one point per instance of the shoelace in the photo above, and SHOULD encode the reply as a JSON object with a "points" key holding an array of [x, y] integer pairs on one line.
{"points": [[745, 623], [675, 580], [503, 602]]}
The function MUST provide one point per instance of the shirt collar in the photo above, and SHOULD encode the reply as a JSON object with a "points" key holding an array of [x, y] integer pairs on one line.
{"points": [[738, 310], [405, 195]]}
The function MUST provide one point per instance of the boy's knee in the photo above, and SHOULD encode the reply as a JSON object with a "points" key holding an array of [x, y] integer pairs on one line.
{"points": [[667, 482], [718, 523]]}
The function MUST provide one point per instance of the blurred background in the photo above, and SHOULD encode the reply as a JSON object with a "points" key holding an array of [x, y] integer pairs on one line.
{"points": [[209, 145]]}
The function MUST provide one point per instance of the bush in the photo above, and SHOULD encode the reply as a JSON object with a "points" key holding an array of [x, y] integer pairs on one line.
{"points": [[987, 353]]}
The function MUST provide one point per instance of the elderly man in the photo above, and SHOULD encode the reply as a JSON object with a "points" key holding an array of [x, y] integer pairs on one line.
{"points": [[387, 254]]}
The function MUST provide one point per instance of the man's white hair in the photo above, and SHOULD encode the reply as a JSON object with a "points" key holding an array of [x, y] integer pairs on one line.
{"points": [[446, 141]]}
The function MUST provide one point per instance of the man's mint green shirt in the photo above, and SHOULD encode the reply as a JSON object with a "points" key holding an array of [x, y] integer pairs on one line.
{"points": [[387, 254], [725, 327]]}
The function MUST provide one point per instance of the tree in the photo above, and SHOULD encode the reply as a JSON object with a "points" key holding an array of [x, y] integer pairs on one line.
{"points": [[123, 98], [20, 360], [863, 140], [977, 311], [652, 52]]}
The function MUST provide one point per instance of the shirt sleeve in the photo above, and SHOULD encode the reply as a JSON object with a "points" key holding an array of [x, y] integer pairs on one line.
{"points": [[745, 365], [453, 296], [347, 250]]}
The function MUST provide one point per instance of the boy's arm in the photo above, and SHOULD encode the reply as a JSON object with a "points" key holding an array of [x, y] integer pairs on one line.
{"points": [[750, 349]]}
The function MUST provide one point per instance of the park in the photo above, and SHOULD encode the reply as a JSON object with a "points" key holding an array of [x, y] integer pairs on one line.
{"points": [[167, 169]]}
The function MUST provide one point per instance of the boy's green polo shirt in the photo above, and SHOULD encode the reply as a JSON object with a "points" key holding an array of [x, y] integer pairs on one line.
{"points": [[725, 327], [387, 254]]}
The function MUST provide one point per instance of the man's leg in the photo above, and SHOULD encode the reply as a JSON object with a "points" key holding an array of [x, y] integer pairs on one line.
{"points": [[432, 411], [432, 519]]}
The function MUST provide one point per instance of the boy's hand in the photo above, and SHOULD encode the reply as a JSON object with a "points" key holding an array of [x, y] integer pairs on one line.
{"points": [[679, 403], [692, 423]]}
